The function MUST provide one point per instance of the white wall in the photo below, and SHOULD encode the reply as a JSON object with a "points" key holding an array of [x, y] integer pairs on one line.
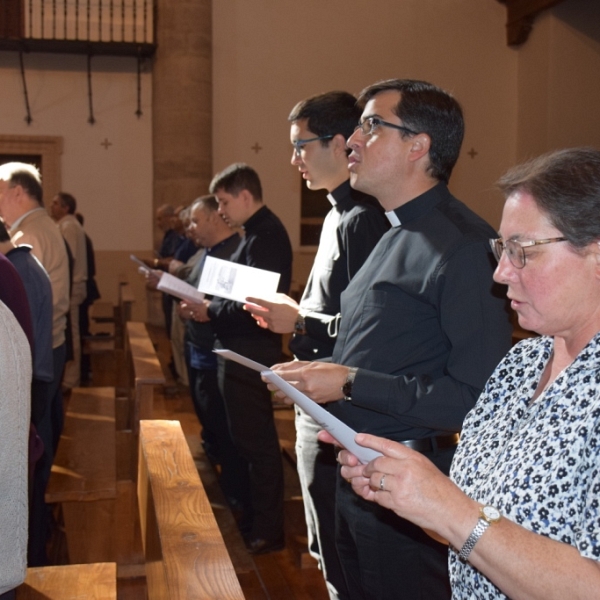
{"points": [[113, 186], [268, 54]]}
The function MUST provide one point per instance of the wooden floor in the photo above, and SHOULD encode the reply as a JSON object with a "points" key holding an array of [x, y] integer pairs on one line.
{"points": [[287, 575]]}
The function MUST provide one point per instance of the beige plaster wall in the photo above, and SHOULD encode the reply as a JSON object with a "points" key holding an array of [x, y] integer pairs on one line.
{"points": [[558, 75], [268, 54], [113, 185]]}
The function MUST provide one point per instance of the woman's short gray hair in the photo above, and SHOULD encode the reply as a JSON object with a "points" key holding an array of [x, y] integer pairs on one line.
{"points": [[566, 186]]}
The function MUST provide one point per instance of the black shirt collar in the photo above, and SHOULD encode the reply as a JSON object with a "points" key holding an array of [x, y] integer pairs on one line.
{"points": [[258, 217], [419, 206], [342, 196], [221, 243]]}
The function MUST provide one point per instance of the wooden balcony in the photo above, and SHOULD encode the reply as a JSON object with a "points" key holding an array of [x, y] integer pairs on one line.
{"points": [[90, 27]]}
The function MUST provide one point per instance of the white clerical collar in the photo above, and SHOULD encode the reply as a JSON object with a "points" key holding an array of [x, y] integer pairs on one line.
{"points": [[392, 217], [331, 199]]}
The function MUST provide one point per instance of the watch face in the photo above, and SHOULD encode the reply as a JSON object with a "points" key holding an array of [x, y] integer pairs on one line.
{"points": [[490, 514]]}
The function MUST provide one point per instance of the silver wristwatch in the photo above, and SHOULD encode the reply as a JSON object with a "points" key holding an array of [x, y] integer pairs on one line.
{"points": [[347, 387], [488, 515]]}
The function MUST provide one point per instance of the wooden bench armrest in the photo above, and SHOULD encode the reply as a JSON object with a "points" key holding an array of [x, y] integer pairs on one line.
{"points": [[146, 365], [185, 552]]}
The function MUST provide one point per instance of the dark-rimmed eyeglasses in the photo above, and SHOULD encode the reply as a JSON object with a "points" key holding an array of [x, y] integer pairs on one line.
{"points": [[369, 126], [515, 250], [299, 144]]}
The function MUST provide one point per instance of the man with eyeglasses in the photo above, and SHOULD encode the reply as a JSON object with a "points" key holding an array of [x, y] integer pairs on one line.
{"points": [[320, 126], [421, 328]]}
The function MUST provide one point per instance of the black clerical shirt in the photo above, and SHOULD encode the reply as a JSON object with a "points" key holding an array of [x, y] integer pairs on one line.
{"points": [[350, 231], [201, 334], [266, 245], [423, 321]]}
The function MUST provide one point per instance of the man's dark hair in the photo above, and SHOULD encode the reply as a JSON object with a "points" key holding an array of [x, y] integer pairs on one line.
{"points": [[565, 185], [208, 203], [27, 176], [4, 237], [425, 108], [235, 178], [69, 201], [331, 113]]}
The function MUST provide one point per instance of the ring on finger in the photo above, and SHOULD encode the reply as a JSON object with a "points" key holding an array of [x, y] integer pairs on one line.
{"points": [[382, 483]]}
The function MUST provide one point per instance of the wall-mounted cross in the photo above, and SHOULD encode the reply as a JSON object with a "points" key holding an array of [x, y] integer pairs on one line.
{"points": [[472, 153], [106, 143], [257, 148]]}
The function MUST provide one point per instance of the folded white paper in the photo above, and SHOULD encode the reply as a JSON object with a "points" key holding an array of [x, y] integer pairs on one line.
{"points": [[143, 266], [340, 431], [176, 287], [236, 282]]}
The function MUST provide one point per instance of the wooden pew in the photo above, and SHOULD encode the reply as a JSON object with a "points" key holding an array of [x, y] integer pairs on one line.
{"points": [[70, 582], [136, 400], [102, 312], [184, 550], [126, 300], [146, 372], [83, 478]]}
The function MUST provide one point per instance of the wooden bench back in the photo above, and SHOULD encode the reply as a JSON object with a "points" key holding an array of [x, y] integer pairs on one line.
{"points": [[185, 553], [126, 300], [146, 372], [84, 475], [84, 466]]}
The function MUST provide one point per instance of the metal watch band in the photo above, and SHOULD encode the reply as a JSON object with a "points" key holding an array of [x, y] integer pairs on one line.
{"points": [[477, 532], [347, 387], [300, 325]]}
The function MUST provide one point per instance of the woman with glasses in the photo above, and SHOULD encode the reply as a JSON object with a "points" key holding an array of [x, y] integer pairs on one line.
{"points": [[521, 509]]}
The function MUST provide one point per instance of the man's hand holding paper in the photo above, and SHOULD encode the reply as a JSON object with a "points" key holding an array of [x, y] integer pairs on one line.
{"points": [[194, 311], [320, 381], [338, 430], [278, 314]]}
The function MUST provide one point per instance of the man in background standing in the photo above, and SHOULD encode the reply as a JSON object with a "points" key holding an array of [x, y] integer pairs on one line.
{"points": [[265, 245], [63, 210], [92, 294], [21, 207]]}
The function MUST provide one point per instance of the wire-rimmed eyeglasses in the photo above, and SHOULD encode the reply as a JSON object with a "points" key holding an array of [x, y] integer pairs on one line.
{"points": [[299, 144], [369, 126], [515, 250]]}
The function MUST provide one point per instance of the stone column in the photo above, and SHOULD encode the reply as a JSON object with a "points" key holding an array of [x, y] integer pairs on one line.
{"points": [[182, 102]]}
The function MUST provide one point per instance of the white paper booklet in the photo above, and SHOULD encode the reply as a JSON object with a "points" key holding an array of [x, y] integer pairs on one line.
{"points": [[340, 431], [176, 287], [236, 282]]}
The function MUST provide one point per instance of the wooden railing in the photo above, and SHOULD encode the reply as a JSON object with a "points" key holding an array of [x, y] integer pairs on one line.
{"points": [[96, 26]]}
